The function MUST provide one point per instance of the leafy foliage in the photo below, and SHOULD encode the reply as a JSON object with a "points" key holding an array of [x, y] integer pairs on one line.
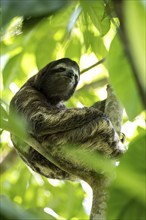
{"points": [[133, 107], [85, 31]]}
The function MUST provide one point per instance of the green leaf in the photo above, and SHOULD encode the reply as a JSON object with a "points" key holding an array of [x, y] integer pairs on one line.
{"points": [[35, 8], [73, 50], [48, 47], [133, 167], [87, 38], [12, 69], [89, 160], [96, 12], [127, 194], [105, 25], [122, 207], [15, 124], [10, 210], [98, 47], [3, 112], [121, 78]]}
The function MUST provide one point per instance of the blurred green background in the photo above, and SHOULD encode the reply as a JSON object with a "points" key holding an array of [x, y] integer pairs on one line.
{"points": [[33, 33]]}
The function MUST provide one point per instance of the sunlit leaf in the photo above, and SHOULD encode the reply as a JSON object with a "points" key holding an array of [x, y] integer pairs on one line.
{"points": [[74, 18], [4, 113], [12, 70], [96, 11], [15, 124], [73, 50], [94, 161], [48, 47], [98, 47]]}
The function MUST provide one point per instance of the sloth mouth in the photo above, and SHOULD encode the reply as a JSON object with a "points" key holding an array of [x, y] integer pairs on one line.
{"points": [[67, 77]]}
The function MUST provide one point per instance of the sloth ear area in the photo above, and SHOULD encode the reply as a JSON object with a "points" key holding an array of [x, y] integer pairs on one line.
{"points": [[40, 77]]}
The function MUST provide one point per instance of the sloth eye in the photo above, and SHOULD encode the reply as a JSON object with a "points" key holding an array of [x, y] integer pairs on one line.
{"points": [[61, 69]]}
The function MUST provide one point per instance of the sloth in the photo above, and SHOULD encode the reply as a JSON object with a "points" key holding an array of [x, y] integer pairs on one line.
{"points": [[93, 129]]}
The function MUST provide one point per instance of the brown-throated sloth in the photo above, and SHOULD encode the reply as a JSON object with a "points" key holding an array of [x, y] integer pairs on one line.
{"points": [[40, 101]]}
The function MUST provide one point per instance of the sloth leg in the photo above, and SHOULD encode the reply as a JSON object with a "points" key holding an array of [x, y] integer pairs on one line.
{"points": [[112, 108]]}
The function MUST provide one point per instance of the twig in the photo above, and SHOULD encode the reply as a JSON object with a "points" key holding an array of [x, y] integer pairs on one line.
{"points": [[94, 65], [94, 85]]}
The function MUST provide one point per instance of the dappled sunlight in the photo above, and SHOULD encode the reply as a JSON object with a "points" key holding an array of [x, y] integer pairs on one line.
{"points": [[28, 64], [52, 213], [55, 183], [88, 198], [132, 129], [14, 88]]}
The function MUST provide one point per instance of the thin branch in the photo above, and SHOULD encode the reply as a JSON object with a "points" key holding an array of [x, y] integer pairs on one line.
{"points": [[94, 85], [94, 65]]}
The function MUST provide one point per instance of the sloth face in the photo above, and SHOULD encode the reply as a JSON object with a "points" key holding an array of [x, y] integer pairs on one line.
{"points": [[58, 80]]}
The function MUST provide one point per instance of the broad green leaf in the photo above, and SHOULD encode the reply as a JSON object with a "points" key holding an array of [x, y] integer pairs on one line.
{"points": [[3, 112], [105, 23], [87, 37], [48, 47], [12, 70], [10, 210], [96, 11], [131, 172], [98, 47], [89, 160], [15, 124], [127, 194], [123, 207], [73, 50], [35, 8], [121, 78]]}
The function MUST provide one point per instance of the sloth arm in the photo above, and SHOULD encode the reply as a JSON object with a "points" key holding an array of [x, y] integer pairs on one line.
{"points": [[48, 119]]}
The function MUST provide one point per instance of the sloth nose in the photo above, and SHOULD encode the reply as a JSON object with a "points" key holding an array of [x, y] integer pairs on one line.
{"points": [[70, 73]]}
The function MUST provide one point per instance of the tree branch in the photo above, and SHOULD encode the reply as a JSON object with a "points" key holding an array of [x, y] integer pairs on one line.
{"points": [[99, 201], [94, 85], [118, 4], [94, 65], [123, 35]]}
